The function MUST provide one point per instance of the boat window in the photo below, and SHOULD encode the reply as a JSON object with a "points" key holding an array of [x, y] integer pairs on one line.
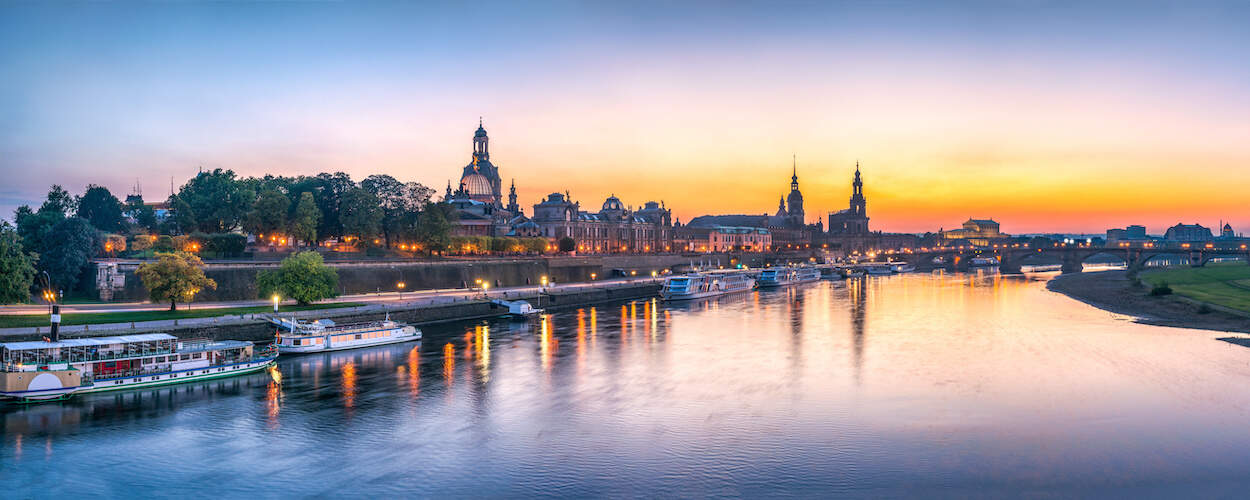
{"points": [[197, 355]]}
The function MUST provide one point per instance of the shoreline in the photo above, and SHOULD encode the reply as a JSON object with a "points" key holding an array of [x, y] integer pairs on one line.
{"points": [[1111, 291]]}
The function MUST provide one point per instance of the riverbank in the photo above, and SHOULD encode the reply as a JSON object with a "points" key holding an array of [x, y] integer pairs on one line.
{"points": [[1112, 291]]}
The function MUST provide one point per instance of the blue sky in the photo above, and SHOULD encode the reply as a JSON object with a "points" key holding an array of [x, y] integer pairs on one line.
{"points": [[1037, 101]]}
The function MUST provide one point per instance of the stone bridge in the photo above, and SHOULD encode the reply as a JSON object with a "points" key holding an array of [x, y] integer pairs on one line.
{"points": [[1072, 256]]}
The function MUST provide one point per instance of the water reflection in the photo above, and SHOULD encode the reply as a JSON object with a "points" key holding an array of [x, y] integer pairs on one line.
{"points": [[977, 384]]}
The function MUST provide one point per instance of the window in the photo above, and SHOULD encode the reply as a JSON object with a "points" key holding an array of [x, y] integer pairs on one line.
{"points": [[357, 336], [184, 357], [197, 355], [295, 342]]}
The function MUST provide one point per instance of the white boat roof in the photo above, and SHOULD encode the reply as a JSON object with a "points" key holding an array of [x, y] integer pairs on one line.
{"points": [[122, 339]]}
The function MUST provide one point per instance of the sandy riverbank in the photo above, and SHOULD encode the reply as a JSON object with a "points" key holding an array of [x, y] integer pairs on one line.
{"points": [[1112, 291]]}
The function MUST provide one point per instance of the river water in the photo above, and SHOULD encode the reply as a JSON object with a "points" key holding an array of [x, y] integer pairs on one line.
{"points": [[930, 385]]}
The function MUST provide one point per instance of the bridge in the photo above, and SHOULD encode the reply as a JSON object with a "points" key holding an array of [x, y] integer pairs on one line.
{"points": [[1011, 257]]}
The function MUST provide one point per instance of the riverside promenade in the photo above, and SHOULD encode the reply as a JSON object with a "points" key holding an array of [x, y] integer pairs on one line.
{"points": [[418, 306]]}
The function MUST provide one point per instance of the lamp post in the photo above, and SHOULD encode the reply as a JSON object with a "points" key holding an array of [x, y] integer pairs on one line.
{"points": [[276, 299], [401, 286]]}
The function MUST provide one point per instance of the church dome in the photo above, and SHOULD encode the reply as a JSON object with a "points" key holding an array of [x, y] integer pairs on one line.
{"points": [[481, 132], [613, 203], [476, 184]]}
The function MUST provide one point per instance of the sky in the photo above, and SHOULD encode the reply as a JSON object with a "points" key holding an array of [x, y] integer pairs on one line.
{"points": [[1046, 116]]}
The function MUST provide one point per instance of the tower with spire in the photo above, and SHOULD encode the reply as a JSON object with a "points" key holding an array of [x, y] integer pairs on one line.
{"points": [[853, 220], [794, 200], [480, 179], [512, 205], [858, 205]]}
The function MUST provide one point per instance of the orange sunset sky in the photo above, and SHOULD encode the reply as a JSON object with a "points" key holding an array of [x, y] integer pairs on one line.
{"points": [[1045, 117]]}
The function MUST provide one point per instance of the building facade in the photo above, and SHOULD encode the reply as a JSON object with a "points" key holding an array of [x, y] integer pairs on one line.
{"points": [[1189, 232], [787, 228], [615, 228], [976, 232]]}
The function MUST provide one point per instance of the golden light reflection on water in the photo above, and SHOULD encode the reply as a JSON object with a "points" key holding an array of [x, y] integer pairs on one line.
{"points": [[414, 371], [594, 325], [547, 343], [482, 343], [449, 363], [581, 337], [273, 397], [349, 384]]}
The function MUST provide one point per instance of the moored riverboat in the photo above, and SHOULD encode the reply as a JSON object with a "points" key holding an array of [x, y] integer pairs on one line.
{"points": [[708, 284], [790, 275], [325, 335], [49, 370]]}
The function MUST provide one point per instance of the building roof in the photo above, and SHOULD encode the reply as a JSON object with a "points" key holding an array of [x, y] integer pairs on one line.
{"points": [[90, 341]]}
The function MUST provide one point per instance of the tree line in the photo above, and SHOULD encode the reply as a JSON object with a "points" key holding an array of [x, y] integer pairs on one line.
{"points": [[208, 213]]}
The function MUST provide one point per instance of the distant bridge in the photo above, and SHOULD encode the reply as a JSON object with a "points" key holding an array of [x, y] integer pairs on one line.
{"points": [[1072, 255]]}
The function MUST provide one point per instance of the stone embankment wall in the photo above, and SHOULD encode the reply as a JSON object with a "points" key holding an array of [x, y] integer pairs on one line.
{"points": [[237, 281], [257, 329]]}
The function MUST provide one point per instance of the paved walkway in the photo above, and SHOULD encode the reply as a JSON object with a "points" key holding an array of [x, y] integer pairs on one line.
{"points": [[372, 302]]}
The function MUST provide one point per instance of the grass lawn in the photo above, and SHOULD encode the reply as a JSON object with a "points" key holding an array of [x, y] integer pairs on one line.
{"points": [[1224, 284], [28, 320]]}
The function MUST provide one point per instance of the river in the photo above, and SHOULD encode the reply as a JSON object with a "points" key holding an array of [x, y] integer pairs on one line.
{"points": [[908, 385]]}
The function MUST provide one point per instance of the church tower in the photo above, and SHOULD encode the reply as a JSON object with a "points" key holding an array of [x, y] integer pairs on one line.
{"points": [[858, 205], [512, 206], [795, 199]]}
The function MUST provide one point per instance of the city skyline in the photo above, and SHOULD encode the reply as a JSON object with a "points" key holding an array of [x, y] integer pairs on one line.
{"points": [[1042, 117]]}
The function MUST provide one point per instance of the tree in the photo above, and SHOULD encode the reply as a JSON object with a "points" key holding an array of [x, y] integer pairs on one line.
{"points": [[567, 244], [17, 268], [59, 200], [307, 216], [360, 214], [174, 277], [303, 277], [268, 214], [400, 202], [434, 227], [99, 207], [143, 215], [67, 251], [34, 226], [331, 189], [216, 201]]}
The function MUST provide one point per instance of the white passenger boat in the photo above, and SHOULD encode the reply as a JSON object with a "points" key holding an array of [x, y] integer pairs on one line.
{"points": [[983, 262], [47, 370], [518, 308], [709, 284], [878, 269], [902, 267], [324, 335], [781, 276]]}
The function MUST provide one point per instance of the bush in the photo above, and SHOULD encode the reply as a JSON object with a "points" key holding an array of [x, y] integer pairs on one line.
{"points": [[164, 244], [303, 277], [1204, 309], [226, 243], [1161, 289], [567, 244]]}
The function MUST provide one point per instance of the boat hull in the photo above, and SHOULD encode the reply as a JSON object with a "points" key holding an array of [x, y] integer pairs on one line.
{"points": [[142, 381]]}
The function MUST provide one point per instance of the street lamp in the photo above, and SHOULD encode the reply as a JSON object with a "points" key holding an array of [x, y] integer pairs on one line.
{"points": [[276, 299], [401, 286], [592, 276], [543, 281]]}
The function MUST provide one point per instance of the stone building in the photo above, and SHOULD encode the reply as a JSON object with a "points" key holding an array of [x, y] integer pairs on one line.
{"points": [[854, 219], [1188, 232], [787, 228], [615, 228], [977, 232], [478, 199]]}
